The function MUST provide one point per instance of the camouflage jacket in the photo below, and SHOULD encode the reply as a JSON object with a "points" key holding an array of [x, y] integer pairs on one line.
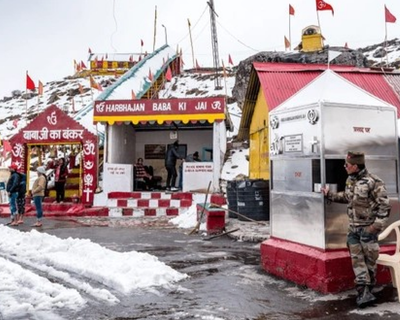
{"points": [[366, 198]]}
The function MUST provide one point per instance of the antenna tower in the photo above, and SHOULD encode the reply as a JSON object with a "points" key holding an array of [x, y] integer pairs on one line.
{"points": [[214, 41]]}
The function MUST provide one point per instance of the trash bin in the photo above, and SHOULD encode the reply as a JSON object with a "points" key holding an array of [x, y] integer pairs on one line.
{"points": [[231, 193], [253, 199]]}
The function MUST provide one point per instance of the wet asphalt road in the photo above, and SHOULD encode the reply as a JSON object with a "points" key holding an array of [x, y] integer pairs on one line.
{"points": [[226, 280]]}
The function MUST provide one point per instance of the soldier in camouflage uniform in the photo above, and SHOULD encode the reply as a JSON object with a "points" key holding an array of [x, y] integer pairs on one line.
{"points": [[368, 209]]}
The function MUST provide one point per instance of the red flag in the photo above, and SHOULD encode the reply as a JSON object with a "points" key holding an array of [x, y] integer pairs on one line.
{"points": [[291, 10], [90, 51], [83, 66], [141, 43], [130, 58], [15, 123], [150, 75], [287, 43], [389, 18], [230, 60], [29, 83], [40, 88], [133, 95], [322, 5], [197, 65], [6, 148], [168, 74]]}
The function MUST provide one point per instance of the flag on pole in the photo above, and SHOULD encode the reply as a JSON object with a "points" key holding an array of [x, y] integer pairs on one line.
{"points": [[197, 65], [94, 84], [322, 6], [90, 51], [168, 74], [287, 43], [150, 75], [40, 88], [230, 61], [80, 88], [29, 83], [141, 43], [291, 10], [6, 148], [389, 17], [83, 66], [133, 95]]}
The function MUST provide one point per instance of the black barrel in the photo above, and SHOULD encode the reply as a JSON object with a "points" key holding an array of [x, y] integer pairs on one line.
{"points": [[231, 192], [253, 199]]}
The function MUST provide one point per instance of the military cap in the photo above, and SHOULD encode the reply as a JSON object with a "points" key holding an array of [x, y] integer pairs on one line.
{"points": [[355, 157]]}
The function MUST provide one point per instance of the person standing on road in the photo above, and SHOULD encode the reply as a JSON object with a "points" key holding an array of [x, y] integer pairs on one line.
{"points": [[38, 191], [12, 189], [60, 179], [368, 210], [170, 164], [21, 199]]}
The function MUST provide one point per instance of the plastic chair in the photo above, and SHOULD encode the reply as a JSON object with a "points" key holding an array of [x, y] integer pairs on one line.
{"points": [[392, 261]]}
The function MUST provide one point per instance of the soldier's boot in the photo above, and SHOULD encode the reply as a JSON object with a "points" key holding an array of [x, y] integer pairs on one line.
{"points": [[364, 297]]}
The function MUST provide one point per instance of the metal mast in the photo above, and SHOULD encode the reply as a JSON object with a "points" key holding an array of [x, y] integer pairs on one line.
{"points": [[214, 41]]}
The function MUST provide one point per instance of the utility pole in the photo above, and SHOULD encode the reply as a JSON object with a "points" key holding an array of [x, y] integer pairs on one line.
{"points": [[214, 41]]}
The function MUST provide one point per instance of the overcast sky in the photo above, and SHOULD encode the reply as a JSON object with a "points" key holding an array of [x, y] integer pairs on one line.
{"points": [[45, 36]]}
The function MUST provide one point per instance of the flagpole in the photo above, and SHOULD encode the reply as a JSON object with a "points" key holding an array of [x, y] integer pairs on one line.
{"points": [[387, 59], [290, 34], [155, 29], [319, 24], [191, 43]]}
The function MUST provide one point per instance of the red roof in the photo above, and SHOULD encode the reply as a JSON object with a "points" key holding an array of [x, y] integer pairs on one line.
{"points": [[279, 81]]}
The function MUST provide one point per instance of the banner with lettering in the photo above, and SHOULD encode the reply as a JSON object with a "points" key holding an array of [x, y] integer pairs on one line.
{"points": [[161, 110]]}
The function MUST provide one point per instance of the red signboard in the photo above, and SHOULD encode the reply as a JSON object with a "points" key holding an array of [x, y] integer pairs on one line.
{"points": [[159, 107]]}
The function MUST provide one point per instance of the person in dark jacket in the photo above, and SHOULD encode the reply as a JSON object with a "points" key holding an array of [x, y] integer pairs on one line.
{"points": [[12, 189], [21, 199], [170, 164], [61, 174]]}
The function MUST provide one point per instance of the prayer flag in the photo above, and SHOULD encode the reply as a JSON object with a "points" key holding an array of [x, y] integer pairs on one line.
{"points": [[40, 88], [29, 83], [80, 88], [287, 43], [322, 5], [291, 10], [389, 18], [230, 60], [168, 74]]}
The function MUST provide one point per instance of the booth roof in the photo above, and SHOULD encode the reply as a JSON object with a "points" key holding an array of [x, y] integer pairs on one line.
{"points": [[331, 87]]}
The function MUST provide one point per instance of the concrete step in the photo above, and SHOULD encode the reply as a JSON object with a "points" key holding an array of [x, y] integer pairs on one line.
{"points": [[139, 204]]}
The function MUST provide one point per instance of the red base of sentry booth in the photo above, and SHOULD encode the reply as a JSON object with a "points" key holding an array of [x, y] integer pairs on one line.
{"points": [[323, 271]]}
